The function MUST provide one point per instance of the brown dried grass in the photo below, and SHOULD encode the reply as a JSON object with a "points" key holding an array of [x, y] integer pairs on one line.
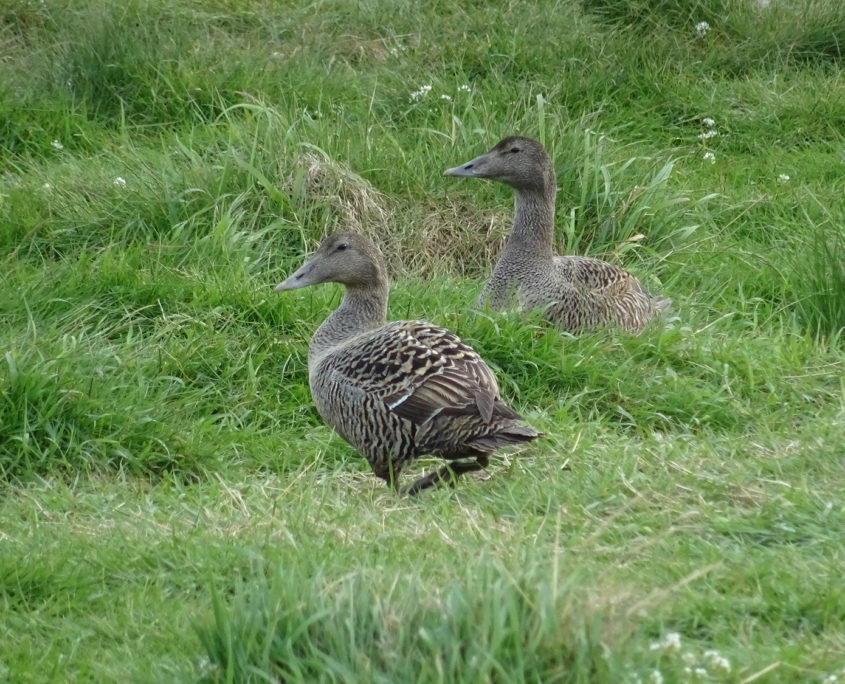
{"points": [[429, 241]]}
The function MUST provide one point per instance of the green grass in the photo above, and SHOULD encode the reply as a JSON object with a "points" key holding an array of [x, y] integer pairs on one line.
{"points": [[172, 508]]}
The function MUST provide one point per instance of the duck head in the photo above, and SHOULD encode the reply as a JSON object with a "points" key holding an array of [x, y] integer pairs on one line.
{"points": [[517, 161], [347, 258]]}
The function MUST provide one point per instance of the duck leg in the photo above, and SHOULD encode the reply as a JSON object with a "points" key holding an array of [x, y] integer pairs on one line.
{"points": [[447, 475]]}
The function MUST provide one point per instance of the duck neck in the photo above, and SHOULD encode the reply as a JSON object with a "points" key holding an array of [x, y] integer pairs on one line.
{"points": [[362, 309], [532, 238]]}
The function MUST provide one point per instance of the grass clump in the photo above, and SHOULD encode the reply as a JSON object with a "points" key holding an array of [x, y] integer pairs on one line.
{"points": [[677, 14], [819, 270], [490, 623]]}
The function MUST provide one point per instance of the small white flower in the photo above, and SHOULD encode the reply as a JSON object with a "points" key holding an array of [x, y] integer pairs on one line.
{"points": [[706, 135], [701, 29], [417, 94], [656, 677], [206, 667], [716, 659], [707, 121], [465, 88], [47, 186], [57, 145], [444, 96], [830, 679], [700, 671], [709, 156], [120, 182], [783, 178], [671, 642]]}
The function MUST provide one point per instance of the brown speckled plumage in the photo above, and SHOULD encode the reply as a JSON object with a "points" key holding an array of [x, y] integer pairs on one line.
{"points": [[577, 293], [398, 390]]}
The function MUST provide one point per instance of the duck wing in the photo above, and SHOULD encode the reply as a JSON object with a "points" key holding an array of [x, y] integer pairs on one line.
{"points": [[419, 371], [596, 276]]}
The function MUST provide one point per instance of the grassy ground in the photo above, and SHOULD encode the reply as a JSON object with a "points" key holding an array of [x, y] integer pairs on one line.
{"points": [[172, 507]]}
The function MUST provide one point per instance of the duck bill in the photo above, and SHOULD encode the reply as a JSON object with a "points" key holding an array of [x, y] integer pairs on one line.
{"points": [[303, 277], [469, 170]]}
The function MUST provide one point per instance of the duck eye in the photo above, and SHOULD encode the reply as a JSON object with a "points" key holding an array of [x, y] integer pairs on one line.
{"points": [[341, 247], [514, 149]]}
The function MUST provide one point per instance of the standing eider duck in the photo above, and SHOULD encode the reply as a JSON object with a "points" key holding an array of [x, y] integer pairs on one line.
{"points": [[399, 390], [577, 293]]}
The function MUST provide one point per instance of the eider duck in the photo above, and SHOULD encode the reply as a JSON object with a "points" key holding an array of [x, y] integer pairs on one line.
{"points": [[399, 390], [577, 293]]}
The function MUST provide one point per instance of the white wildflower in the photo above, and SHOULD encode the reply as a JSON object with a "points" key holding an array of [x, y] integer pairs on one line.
{"points": [[444, 96], [465, 88], [783, 178], [830, 679], [422, 92], [47, 186], [706, 135], [716, 659], [700, 672], [670, 642], [120, 182], [709, 156], [656, 677], [701, 29], [707, 121], [205, 667], [57, 145]]}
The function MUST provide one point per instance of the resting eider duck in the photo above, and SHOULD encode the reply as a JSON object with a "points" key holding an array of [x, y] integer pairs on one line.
{"points": [[577, 293]]}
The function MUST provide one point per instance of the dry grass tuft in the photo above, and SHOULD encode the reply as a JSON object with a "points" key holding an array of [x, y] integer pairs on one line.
{"points": [[432, 240], [319, 180], [357, 49], [454, 238]]}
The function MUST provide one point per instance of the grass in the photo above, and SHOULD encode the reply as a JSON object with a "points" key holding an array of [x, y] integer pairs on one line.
{"points": [[173, 508]]}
